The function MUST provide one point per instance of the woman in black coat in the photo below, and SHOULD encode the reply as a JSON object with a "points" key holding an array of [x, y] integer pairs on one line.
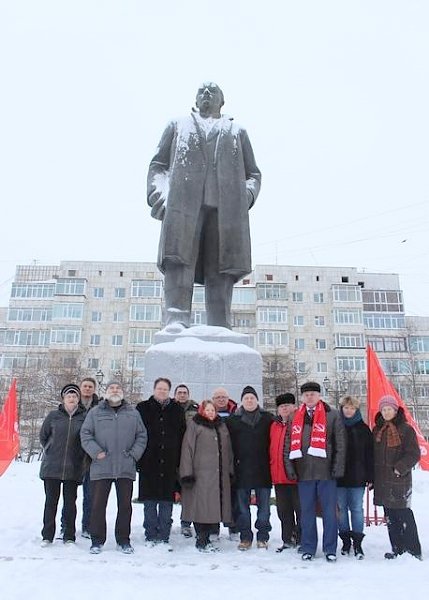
{"points": [[359, 471], [62, 463], [396, 452]]}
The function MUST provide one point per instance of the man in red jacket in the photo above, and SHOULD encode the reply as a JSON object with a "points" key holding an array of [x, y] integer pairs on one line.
{"points": [[287, 499]]}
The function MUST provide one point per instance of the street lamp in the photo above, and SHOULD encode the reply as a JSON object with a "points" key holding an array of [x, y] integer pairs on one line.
{"points": [[99, 376], [336, 388]]}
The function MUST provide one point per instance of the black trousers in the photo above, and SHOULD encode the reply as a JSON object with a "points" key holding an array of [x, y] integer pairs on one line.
{"points": [[288, 511], [203, 531], [100, 490], [402, 530], [52, 495]]}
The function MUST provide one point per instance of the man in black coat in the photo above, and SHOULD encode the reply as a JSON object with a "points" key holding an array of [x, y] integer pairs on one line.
{"points": [[249, 429], [164, 420]]}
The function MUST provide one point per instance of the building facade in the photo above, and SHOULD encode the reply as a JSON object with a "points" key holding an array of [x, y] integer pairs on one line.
{"points": [[307, 322]]}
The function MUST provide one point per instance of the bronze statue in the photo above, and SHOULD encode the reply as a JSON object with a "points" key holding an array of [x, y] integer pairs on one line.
{"points": [[202, 182]]}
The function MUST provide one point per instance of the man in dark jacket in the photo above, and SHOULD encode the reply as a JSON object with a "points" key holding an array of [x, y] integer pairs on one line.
{"points": [[249, 429], [62, 463], [115, 438], [165, 422], [315, 454]]}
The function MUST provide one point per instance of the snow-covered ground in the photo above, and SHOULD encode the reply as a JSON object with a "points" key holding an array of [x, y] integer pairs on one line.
{"points": [[28, 571]]}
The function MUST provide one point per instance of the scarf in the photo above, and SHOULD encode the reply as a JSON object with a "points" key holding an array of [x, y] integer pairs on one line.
{"points": [[251, 418], [349, 422], [393, 437], [318, 432]]}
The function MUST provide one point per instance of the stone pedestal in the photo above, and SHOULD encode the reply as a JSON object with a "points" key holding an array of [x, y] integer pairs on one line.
{"points": [[204, 358]]}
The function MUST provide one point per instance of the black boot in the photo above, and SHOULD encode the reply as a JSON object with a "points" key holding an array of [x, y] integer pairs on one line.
{"points": [[347, 542], [357, 544]]}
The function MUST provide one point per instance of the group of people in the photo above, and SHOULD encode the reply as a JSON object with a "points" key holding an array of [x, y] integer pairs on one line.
{"points": [[220, 457]]}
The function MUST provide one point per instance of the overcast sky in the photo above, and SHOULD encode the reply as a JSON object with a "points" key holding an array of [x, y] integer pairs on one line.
{"points": [[334, 95]]}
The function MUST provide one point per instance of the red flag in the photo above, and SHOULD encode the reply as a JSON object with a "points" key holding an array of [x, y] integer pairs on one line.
{"points": [[9, 435], [378, 386]]}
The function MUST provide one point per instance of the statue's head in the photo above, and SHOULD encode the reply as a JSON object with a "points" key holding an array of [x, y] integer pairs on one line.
{"points": [[209, 98]]}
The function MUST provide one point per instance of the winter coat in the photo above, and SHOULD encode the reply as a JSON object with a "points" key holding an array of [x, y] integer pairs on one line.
{"points": [[391, 490], [63, 456], [251, 448], [190, 408], [277, 444], [120, 434], [314, 468], [359, 456], [207, 457], [177, 180], [158, 467]]}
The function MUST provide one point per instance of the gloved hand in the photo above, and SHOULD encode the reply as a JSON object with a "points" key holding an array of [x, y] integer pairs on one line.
{"points": [[187, 481]]}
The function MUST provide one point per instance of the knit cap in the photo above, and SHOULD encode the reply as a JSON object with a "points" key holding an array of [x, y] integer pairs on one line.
{"points": [[249, 390], [70, 388], [388, 401]]}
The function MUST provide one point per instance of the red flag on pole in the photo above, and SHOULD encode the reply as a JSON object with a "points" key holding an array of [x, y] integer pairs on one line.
{"points": [[378, 386], [9, 435]]}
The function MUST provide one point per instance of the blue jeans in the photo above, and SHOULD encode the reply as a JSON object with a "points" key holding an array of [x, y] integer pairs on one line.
{"points": [[309, 493], [157, 520], [350, 499], [244, 523]]}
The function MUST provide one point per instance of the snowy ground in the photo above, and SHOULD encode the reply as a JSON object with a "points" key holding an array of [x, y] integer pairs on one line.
{"points": [[28, 571]]}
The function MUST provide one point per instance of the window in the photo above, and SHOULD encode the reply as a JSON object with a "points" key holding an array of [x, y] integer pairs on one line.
{"points": [[65, 336], [383, 321], [198, 317], [388, 344], [297, 297], [141, 337], [320, 344], [382, 301], [299, 344], [272, 338], [95, 340], [241, 295], [116, 364], [347, 293], [271, 291], [23, 337], [350, 363], [120, 292], [352, 316], [71, 273], [319, 321], [199, 295], [300, 367], [422, 367], [29, 314], [318, 297], [96, 316], [118, 317], [344, 279], [70, 287], [394, 366], [349, 340], [298, 320], [94, 363], [68, 310], [145, 312], [117, 340], [98, 292], [275, 314], [243, 319], [268, 277], [22, 361], [419, 343], [322, 367], [146, 288], [135, 362], [32, 290]]}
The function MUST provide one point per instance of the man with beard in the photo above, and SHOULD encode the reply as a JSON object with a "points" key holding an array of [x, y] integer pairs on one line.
{"points": [[115, 438]]}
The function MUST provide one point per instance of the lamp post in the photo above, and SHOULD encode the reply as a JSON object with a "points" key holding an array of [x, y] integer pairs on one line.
{"points": [[336, 388], [99, 376]]}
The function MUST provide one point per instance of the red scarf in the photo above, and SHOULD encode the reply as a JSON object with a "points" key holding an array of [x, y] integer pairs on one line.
{"points": [[318, 432]]}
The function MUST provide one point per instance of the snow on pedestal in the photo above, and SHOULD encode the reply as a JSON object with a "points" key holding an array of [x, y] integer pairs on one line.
{"points": [[204, 358]]}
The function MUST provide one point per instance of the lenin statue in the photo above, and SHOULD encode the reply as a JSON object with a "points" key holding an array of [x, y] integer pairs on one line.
{"points": [[202, 182]]}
